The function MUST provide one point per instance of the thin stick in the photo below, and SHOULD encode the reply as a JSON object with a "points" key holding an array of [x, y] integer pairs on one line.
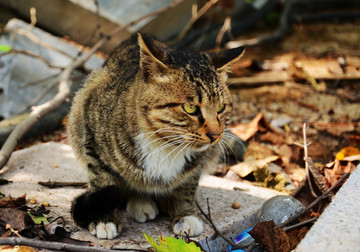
{"points": [[208, 217], [226, 28], [64, 90], [194, 17], [56, 184], [33, 55], [300, 224], [306, 156], [58, 246], [315, 202]]}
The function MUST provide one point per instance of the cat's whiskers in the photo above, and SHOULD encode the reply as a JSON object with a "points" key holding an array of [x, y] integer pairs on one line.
{"points": [[167, 130], [179, 146], [225, 152], [177, 154], [167, 144], [231, 136]]}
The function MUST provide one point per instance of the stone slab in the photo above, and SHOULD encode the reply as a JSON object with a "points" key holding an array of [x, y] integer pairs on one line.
{"points": [[56, 162], [338, 227], [25, 78], [78, 19]]}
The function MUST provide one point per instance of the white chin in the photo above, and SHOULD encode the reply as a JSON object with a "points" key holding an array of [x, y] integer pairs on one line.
{"points": [[203, 148]]}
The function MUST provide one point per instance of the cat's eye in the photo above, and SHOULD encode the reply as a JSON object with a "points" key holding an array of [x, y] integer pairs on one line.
{"points": [[190, 109], [221, 108]]}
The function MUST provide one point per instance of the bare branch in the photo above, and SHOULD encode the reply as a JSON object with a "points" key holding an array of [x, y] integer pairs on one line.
{"points": [[315, 202], [30, 54], [57, 246], [208, 217], [40, 42], [226, 28], [64, 90], [195, 15], [306, 158]]}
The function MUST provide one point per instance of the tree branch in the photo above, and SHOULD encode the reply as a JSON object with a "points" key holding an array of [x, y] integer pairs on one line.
{"points": [[57, 246], [64, 89], [208, 217], [315, 202]]}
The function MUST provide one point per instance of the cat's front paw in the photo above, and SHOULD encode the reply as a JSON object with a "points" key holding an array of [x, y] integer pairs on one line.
{"points": [[189, 225], [105, 230], [141, 209]]}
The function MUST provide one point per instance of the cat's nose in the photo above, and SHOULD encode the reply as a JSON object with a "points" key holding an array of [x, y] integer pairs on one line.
{"points": [[212, 136]]}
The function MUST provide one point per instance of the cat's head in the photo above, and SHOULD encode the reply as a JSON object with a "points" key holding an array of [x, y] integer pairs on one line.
{"points": [[185, 100]]}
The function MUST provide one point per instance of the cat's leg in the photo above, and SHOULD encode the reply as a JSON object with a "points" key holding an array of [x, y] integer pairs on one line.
{"points": [[98, 210], [185, 221], [142, 209]]}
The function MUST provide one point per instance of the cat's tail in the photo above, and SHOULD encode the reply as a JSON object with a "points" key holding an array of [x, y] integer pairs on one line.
{"points": [[92, 206]]}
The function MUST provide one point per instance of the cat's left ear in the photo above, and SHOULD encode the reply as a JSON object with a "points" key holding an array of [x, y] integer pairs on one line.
{"points": [[225, 58], [152, 56]]}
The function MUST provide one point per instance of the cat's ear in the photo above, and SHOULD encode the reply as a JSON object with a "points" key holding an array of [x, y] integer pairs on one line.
{"points": [[225, 58], [152, 57]]}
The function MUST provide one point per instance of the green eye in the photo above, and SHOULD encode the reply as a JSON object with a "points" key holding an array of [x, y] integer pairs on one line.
{"points": [[190, 109], [221, 108]]}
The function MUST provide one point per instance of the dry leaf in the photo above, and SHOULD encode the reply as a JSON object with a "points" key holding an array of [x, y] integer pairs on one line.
{"points": [[335, 129], [10, 202], [347, 152], [274, 240], [245, 168], [246, 131], [273, 137], [17, 219]]}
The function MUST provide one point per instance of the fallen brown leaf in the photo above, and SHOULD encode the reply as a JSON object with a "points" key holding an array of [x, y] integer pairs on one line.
{"points": [[17, 219], [246, 131], [272, 137], [11, 202], [274, 240], [245, 168]]}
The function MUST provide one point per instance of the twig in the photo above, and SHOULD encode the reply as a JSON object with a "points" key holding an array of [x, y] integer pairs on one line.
{"points": [[225, 28], [58, 246], [284, 27], [64, 90], [300, 224], [30, 54], [195, 15], [48, 78], [315, 202], [56, 184], [306, 158], [40, 42], [208, 217]]}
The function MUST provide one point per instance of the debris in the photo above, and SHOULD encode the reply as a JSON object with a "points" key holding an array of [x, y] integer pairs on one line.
{"points": [[235, 205]]}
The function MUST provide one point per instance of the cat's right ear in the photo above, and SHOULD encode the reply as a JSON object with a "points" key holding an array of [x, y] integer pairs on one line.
{"points": [[221, 60], [151, 57]]}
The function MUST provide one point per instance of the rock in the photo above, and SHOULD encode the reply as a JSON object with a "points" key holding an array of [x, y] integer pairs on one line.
{"points": [[67, 17]]}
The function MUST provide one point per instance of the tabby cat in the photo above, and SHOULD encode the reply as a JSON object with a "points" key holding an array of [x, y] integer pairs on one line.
{"points": [[145, 126]]}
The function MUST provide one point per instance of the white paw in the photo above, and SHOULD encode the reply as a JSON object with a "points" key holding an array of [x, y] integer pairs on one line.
{"points": [[142, 210], [190, 225], [105, 230]]}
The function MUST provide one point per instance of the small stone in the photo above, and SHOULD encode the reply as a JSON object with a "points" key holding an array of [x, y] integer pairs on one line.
{"points": [[33, 200], [56, 166], [235, 205], [279, 209], [45, 204]]}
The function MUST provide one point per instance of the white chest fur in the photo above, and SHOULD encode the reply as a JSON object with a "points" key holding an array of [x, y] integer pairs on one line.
{"points": [[162, 160]]}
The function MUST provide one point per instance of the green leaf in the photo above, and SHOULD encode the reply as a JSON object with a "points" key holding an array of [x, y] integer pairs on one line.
{"points": [[171, 244], [38, 219], [5, 48]]}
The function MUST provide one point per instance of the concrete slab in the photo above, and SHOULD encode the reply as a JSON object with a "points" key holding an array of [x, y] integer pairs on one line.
{"points": [[25, 78], [338, 228], [56, 162], [67, 18]]}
